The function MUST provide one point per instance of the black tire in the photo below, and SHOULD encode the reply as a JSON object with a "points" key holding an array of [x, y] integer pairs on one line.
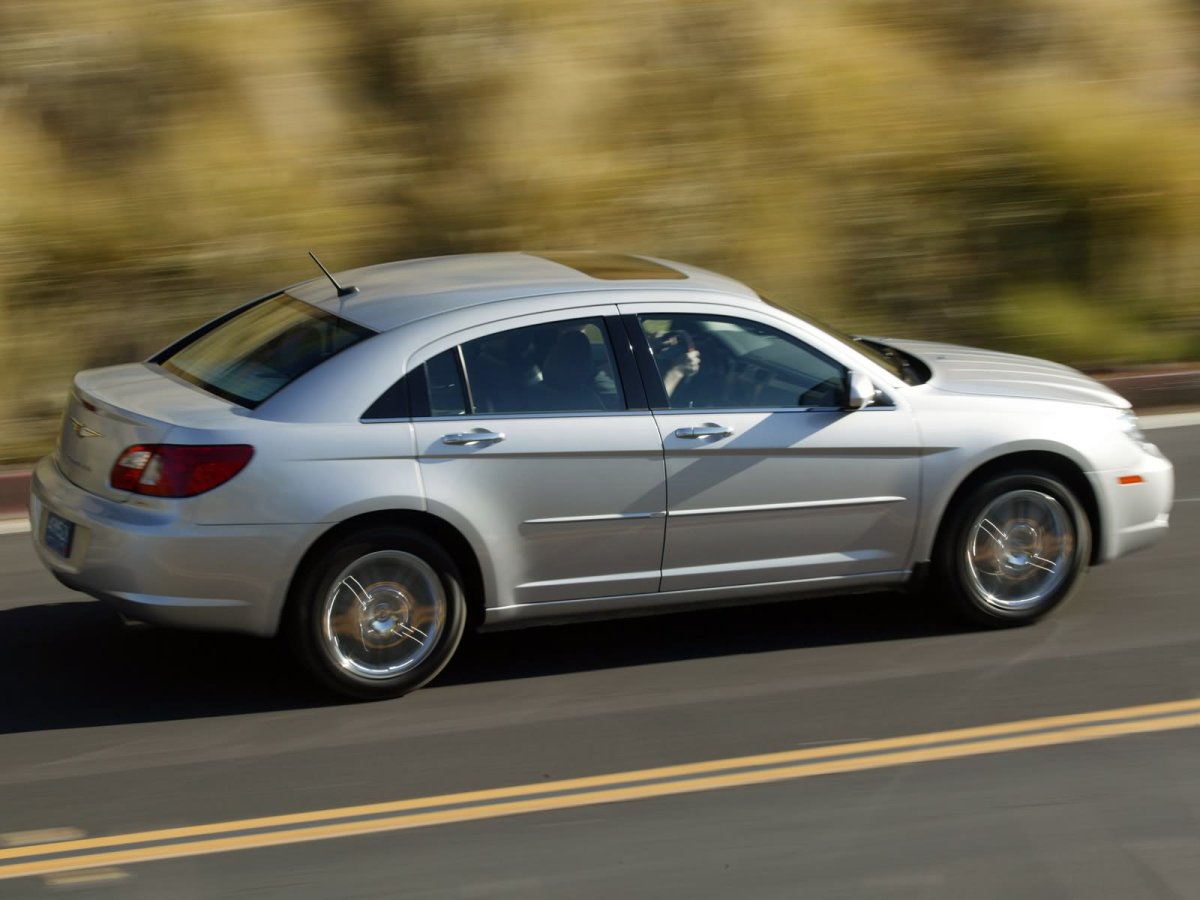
{"points": [[1011, 550], [378, 614]]}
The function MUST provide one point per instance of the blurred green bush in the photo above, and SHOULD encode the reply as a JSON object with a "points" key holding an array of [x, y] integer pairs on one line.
{"points": [[1018, 174]]}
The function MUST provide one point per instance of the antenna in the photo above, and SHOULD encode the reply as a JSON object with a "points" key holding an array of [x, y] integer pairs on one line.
{"points": [[342, 290]]}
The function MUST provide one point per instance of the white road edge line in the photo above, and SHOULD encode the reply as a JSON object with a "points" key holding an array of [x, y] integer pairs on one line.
{"points": [[83, 877], [51, 836], [41, 836], [20, 525], [1169, 420]]}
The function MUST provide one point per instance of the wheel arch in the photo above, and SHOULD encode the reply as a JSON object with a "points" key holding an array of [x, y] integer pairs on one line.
{"points": [[1056, 464], [441, 531]]}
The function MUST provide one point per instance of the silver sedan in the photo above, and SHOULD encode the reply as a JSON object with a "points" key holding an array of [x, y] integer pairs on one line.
{"points": [[371, 463]]}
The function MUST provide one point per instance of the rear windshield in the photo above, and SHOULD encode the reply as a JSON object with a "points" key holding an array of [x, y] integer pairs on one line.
{"points": [[256, 352]]}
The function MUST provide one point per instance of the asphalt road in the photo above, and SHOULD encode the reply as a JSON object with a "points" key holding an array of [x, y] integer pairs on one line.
{"points": [[107, 730]]}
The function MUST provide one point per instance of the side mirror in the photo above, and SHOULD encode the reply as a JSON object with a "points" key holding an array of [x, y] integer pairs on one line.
{"points": [[860, 390]]}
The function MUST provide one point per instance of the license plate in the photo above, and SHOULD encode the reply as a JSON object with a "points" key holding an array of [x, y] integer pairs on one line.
{"points": [[59, 533]]}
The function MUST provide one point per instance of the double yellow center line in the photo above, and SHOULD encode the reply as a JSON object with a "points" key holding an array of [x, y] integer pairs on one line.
{"points": [[244, 834]]}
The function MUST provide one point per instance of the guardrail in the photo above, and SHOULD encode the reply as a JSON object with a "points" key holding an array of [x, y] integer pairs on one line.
{"points": [[1157, 389]]}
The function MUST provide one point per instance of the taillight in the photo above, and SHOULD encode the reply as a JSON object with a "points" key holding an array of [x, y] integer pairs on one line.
{"points": [[178, 470]]}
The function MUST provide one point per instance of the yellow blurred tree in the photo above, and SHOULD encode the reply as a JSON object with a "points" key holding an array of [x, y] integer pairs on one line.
{"points": [[1018, 173]]}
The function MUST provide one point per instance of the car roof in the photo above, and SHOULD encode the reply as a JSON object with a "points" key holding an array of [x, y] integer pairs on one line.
{"points": [[394, 294]]}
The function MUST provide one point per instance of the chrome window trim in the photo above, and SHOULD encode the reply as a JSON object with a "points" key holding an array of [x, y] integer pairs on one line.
{"points": [[698, 411], [468, 396], [744, 410], [608, 413]]}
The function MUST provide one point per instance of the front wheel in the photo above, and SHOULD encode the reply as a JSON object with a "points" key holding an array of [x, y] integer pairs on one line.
{"points": [[379, 614], [1012, 550]]}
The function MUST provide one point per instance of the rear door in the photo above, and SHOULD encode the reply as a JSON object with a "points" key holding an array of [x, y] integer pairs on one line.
{"points": [[769, 479], [531, 440]]}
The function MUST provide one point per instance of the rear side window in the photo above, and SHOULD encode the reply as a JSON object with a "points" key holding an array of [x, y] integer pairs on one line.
{"points": [[443, 380], [565, 366], [552, 367], [256, 352]]}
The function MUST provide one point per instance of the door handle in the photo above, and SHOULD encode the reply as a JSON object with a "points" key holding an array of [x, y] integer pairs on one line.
{"points": [[473, 437], [708, 429]]}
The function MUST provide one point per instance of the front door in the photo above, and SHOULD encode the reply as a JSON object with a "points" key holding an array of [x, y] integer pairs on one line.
{"points": [[769, 480]]}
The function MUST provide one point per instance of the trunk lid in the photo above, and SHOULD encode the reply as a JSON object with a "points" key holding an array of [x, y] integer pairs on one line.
{"points": [[114, 408]]}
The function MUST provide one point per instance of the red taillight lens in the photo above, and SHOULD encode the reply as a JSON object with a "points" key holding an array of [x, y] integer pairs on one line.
{"points": [[178, 470]]}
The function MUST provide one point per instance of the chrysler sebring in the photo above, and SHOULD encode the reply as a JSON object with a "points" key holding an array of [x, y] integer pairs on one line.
{"points": [[371, 462]]}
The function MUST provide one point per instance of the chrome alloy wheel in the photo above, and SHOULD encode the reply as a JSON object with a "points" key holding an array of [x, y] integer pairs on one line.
{"points": [[1019, 550], [383, 615]]}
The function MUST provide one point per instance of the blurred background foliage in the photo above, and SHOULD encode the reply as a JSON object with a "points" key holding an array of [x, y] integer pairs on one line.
{"points": [[1020, 174]]}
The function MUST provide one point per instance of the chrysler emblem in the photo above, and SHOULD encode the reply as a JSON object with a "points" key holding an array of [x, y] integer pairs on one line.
{"points": [[82, 430]]}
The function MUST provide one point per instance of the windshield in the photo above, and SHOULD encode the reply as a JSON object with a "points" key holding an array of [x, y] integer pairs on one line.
{"points": [[258, 351], [899, 364]]}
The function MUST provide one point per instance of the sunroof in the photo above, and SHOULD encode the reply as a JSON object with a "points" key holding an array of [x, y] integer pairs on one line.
{"points": [[613, 266]]}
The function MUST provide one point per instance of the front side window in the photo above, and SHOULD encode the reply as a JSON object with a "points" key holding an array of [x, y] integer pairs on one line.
{"points": [[720, 362], [253, 354]]}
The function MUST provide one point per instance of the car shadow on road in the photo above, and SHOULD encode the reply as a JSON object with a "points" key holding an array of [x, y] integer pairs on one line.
{"points": [[71, 665], [76, 664], [736, 630]]}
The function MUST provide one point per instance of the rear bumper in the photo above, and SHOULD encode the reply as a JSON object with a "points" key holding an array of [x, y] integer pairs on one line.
{"points": [[156, 567]]}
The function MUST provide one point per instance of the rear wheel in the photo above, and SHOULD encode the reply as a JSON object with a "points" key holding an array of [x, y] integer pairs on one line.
{"points": [[1012, 550], [379, 614]]}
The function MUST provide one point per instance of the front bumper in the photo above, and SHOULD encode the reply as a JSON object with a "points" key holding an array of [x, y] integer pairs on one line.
{"points": [[154, 566], [1135, 513]]}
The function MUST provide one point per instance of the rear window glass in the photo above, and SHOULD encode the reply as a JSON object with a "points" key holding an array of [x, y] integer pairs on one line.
{"points": [[258, 351]]}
